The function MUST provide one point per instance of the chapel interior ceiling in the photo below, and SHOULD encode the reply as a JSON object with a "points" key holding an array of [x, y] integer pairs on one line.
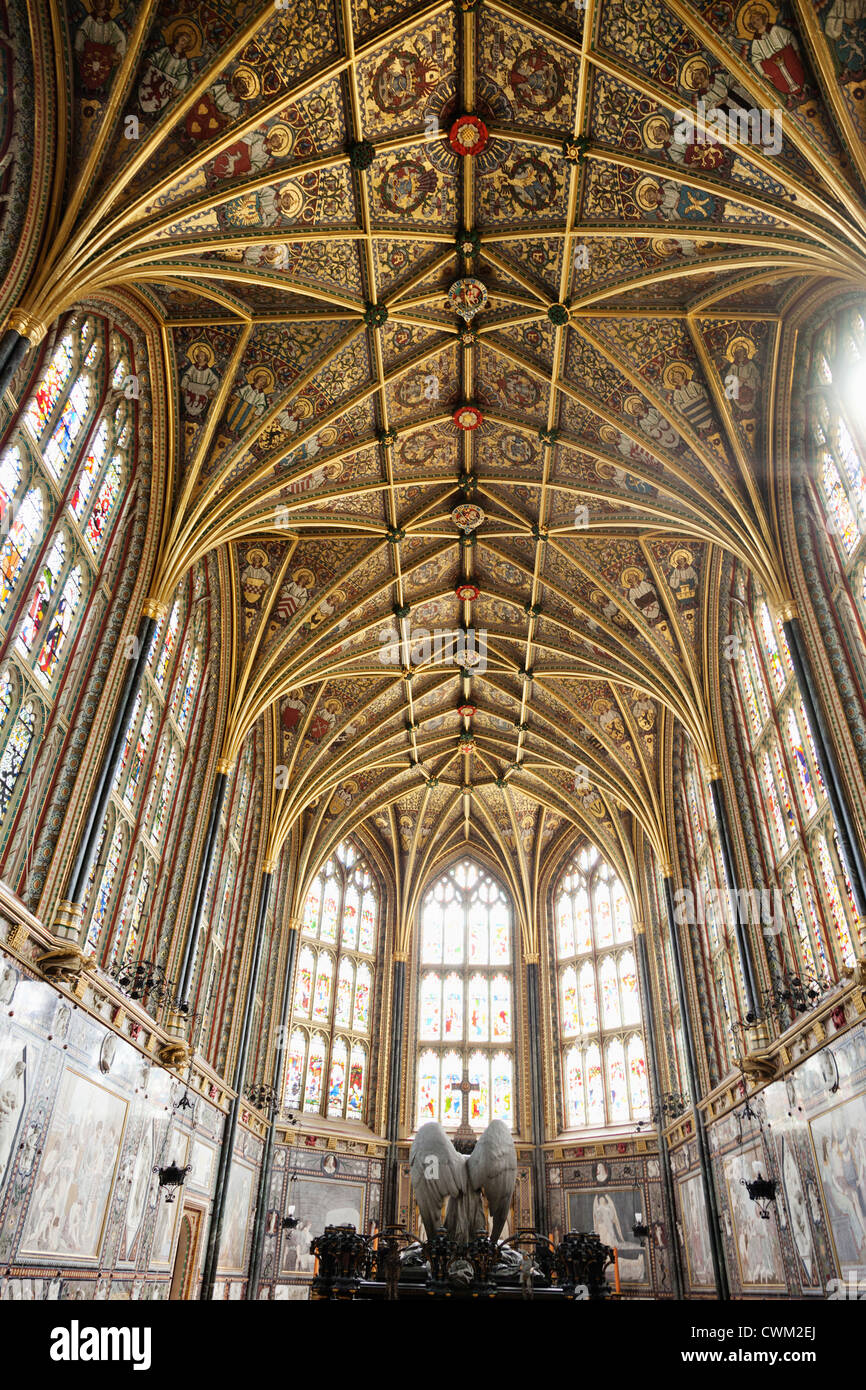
{"points": [[365, 330]]}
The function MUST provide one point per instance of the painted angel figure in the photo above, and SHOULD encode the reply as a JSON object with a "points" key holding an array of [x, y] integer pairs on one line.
{"points": [[439, 1174]]}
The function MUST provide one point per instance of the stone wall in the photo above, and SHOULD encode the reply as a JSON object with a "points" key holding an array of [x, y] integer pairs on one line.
{"points": [[85, 1116]]}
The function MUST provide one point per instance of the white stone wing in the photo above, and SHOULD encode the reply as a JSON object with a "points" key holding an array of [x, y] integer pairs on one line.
{"points": [[437, 1170], [492, 1166]]}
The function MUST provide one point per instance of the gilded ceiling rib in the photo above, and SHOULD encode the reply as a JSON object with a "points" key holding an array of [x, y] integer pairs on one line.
{"points": [[107, 243], [800, 191], [823, 63], [766, 96]]}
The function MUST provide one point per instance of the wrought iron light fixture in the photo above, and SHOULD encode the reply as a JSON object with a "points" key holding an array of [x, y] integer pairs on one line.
{"points": [[172, 1178], [290, 1220], [762, 1192], [262, 1096], [670, 1107], [640, 1230], [142, 980]]}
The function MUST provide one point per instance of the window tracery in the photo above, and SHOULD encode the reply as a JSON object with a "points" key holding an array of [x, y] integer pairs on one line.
{"points": [[465, 999], [603, 1055], [327, 1067]]}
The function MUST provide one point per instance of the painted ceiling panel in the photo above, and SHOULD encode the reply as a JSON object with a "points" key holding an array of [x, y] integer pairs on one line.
{"points": [[508, 376]]}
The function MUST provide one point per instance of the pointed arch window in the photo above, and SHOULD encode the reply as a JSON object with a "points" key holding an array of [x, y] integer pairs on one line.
{"points": [[792, 810], [40, 603], [836, 440], [59, 626], [106, 885], [169, 643], [333, 990], [718, 956], [603, 1054], [465, 999], [59, 450], [145, 790], [188, 689], [15, 754], [142, 742], [51, 387], [10, 481], [18, 544]]}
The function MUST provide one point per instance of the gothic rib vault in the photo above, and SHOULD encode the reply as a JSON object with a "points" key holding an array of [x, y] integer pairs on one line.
{"points": [[289, 217]]}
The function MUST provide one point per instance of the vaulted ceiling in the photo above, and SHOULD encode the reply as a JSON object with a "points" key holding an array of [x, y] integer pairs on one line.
{"points": [[285, 188]]}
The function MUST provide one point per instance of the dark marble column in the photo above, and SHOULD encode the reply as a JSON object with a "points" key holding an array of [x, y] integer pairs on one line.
{"points": [[716, 1245], [649, 1014], [739, 911], [67, 922], [828, 764], [13, 346], [276, 1105], [536, 1096], [230, 1124], [398, 1006]]}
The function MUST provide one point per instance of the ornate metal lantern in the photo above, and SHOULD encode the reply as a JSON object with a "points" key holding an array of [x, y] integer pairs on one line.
{"points": [[171, 1177], [762, 1192]]}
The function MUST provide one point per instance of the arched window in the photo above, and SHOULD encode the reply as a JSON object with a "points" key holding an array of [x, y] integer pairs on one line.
{"points": [[714, 934], [603, 1056], [65, 467], [15, 753], [19, 542], [835, 444], [790, 801], [327, 1068], [146, 786], [465, 1022]]}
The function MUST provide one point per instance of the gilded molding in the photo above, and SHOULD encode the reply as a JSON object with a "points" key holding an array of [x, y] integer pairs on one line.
{"points": [[27, 325]]}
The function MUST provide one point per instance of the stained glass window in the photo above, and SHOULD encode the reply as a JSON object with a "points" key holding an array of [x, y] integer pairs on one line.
{"points": [[137, 764], [791, 798], [189, 687], [5, 695], [835, 441], [797, 745], [14, 754], [59, 449], [465, 1001], [58, 628], [831, 873], [313, 1086], [333, 986], [18, 544], [96, 528], [103, 897], [164, 797], [49, 390], [40, 603], [705, 875], [10, 480], [166, 651], [598, 996], [93, 461], [131, 913]]}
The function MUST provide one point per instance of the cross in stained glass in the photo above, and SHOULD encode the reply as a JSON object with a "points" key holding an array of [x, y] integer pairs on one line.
{"points": [[465, 1132]]}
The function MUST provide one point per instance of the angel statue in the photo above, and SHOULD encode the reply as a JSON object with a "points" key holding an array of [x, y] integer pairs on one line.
{"points": [[438, 1172]]}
